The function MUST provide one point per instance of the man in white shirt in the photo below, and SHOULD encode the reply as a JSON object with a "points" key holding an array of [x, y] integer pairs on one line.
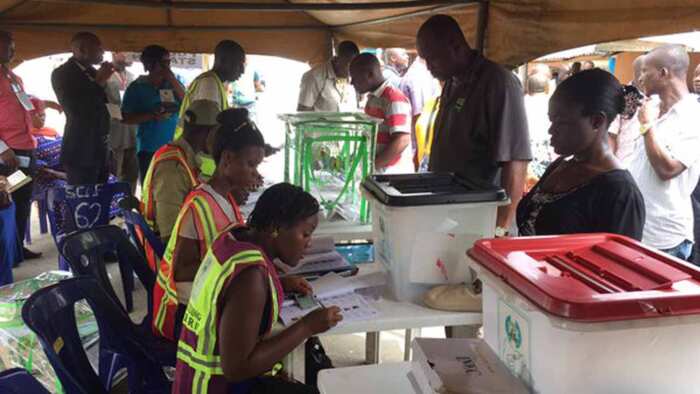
{"points": [[396, 61], [666, 166], [326, 87]]}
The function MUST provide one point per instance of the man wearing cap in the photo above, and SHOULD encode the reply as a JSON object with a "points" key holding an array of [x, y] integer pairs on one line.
{"points": [[174, 171]]}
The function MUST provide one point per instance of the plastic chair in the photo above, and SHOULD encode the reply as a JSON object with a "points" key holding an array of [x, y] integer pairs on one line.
{"points": [[49, 312], [139, 231], [85, 250], [80, 207], [20, 381]]}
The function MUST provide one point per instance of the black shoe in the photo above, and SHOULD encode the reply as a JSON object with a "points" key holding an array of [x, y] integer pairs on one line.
{"points": [[29, 255]]}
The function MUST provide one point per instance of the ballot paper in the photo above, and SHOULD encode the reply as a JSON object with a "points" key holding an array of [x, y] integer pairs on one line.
{"points": [[335, 290], [461, 366], [320, 257]]}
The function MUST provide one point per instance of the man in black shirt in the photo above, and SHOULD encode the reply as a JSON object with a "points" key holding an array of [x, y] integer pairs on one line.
{"points": [[79, 88], [481, 130]]}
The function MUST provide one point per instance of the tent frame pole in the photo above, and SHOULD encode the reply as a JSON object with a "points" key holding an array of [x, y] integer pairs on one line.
{"points": [[482, 22], [269, 7]]}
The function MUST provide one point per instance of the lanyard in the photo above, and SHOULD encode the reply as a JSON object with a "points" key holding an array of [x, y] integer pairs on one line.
{"points": [[14, 83]]}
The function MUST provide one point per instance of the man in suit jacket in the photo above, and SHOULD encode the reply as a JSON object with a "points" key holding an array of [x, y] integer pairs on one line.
{"points": [[80, 90]]}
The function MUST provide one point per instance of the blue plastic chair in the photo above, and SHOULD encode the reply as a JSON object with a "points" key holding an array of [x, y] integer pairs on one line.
{"points": [[78, 207], [73, 208], [138, 229], [85, 250], [49, 312], [20, 381]]}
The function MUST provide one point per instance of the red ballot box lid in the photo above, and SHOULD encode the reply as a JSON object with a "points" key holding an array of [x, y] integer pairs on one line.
{"points": [[592, 277]]}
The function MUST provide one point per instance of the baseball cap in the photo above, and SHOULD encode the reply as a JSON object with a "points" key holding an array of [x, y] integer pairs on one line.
{"points": [[202, 113]]}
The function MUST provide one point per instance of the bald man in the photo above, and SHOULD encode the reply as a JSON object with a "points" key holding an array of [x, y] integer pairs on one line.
{"points": [[396, 61], [481, 130], [385, 102], [80, 89], [666, 166]]}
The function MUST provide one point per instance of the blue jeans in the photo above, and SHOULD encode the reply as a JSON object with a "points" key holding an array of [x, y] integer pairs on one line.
{"points": [[682, 250]]}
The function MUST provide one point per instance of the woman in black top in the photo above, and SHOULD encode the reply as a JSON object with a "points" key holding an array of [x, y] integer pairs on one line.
{"points": [[585, 190]]}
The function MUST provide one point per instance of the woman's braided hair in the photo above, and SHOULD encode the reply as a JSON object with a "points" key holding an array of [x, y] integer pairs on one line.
{"points": [[282, 205]]}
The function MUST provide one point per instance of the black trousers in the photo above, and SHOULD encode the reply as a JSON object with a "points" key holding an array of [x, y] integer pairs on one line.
{"points": [[87, 175], [23, 196], [144, 162]]}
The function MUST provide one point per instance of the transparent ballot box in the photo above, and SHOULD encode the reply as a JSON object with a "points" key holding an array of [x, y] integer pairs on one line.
{"points": [[329, 154]]}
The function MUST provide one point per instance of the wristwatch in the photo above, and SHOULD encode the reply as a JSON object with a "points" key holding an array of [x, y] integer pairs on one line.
{"points": [[500, 232], [645, 127]]}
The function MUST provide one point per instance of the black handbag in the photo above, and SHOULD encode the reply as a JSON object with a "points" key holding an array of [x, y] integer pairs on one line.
{"points": [[315, 360]]}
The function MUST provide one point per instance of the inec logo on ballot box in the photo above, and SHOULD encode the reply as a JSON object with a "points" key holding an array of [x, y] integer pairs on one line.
{"points": [[514, 340]]}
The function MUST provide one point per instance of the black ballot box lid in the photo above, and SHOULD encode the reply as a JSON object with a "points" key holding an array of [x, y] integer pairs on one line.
{"points": [[431, 188]]}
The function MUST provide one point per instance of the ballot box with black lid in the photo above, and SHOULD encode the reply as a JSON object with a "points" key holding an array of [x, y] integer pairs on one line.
{"points": [[423, 224], [590, 313]]}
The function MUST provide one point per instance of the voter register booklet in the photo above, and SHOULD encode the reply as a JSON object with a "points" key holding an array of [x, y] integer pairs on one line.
{"points": [[335, 290]]}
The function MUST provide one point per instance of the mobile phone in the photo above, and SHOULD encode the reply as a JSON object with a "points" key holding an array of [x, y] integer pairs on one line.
{"points": [[305, 302]]}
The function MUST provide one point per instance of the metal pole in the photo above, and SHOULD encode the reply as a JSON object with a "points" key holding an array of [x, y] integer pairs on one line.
{"points": [[75, 27], [482, 22], [270, 7]]}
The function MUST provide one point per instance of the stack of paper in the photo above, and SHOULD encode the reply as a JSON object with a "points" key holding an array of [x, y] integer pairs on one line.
{"points": [[321, 257], [461, 366]]}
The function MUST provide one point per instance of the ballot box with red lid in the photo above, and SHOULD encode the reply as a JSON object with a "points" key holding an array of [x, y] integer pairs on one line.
{"points": [[590, 313]]}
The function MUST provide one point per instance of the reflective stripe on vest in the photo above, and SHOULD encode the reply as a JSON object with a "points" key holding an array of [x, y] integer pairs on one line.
{"points": [[165, 153], [223, 99], [210, 220], [200, 317]]}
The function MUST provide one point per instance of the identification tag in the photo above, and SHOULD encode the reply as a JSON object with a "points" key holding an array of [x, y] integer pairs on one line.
{"points": [[23, 97], [167, 96]]}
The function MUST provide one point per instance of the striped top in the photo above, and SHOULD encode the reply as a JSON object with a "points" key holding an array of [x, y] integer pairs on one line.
{"points": [[391, 105]]}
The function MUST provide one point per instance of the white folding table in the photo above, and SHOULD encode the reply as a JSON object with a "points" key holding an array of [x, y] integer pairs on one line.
{"points": [[392, 315], [386, 378]]}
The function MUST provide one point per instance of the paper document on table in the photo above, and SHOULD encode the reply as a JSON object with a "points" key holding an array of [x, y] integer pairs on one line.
{"points": [[353, 307], [335, 290]]}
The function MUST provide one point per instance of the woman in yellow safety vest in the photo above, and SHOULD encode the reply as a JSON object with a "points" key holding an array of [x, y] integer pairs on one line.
{"points": [[225, 344], [238, 148]]}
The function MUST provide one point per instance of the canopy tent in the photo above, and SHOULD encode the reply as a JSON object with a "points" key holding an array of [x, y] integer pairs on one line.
{"points": [[512, 31]]}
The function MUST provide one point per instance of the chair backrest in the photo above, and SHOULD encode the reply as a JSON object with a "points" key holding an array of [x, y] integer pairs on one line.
{"points": [[50, 313], [85, 251], [79, 207], [20, 381], [141, 232]]}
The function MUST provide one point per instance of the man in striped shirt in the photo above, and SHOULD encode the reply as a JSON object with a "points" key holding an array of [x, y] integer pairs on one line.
{"points": [[394, 153]]}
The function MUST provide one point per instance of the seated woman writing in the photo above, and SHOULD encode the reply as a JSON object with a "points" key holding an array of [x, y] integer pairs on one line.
{"points": [[225, 346], [238, 148], [586, 189]]}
